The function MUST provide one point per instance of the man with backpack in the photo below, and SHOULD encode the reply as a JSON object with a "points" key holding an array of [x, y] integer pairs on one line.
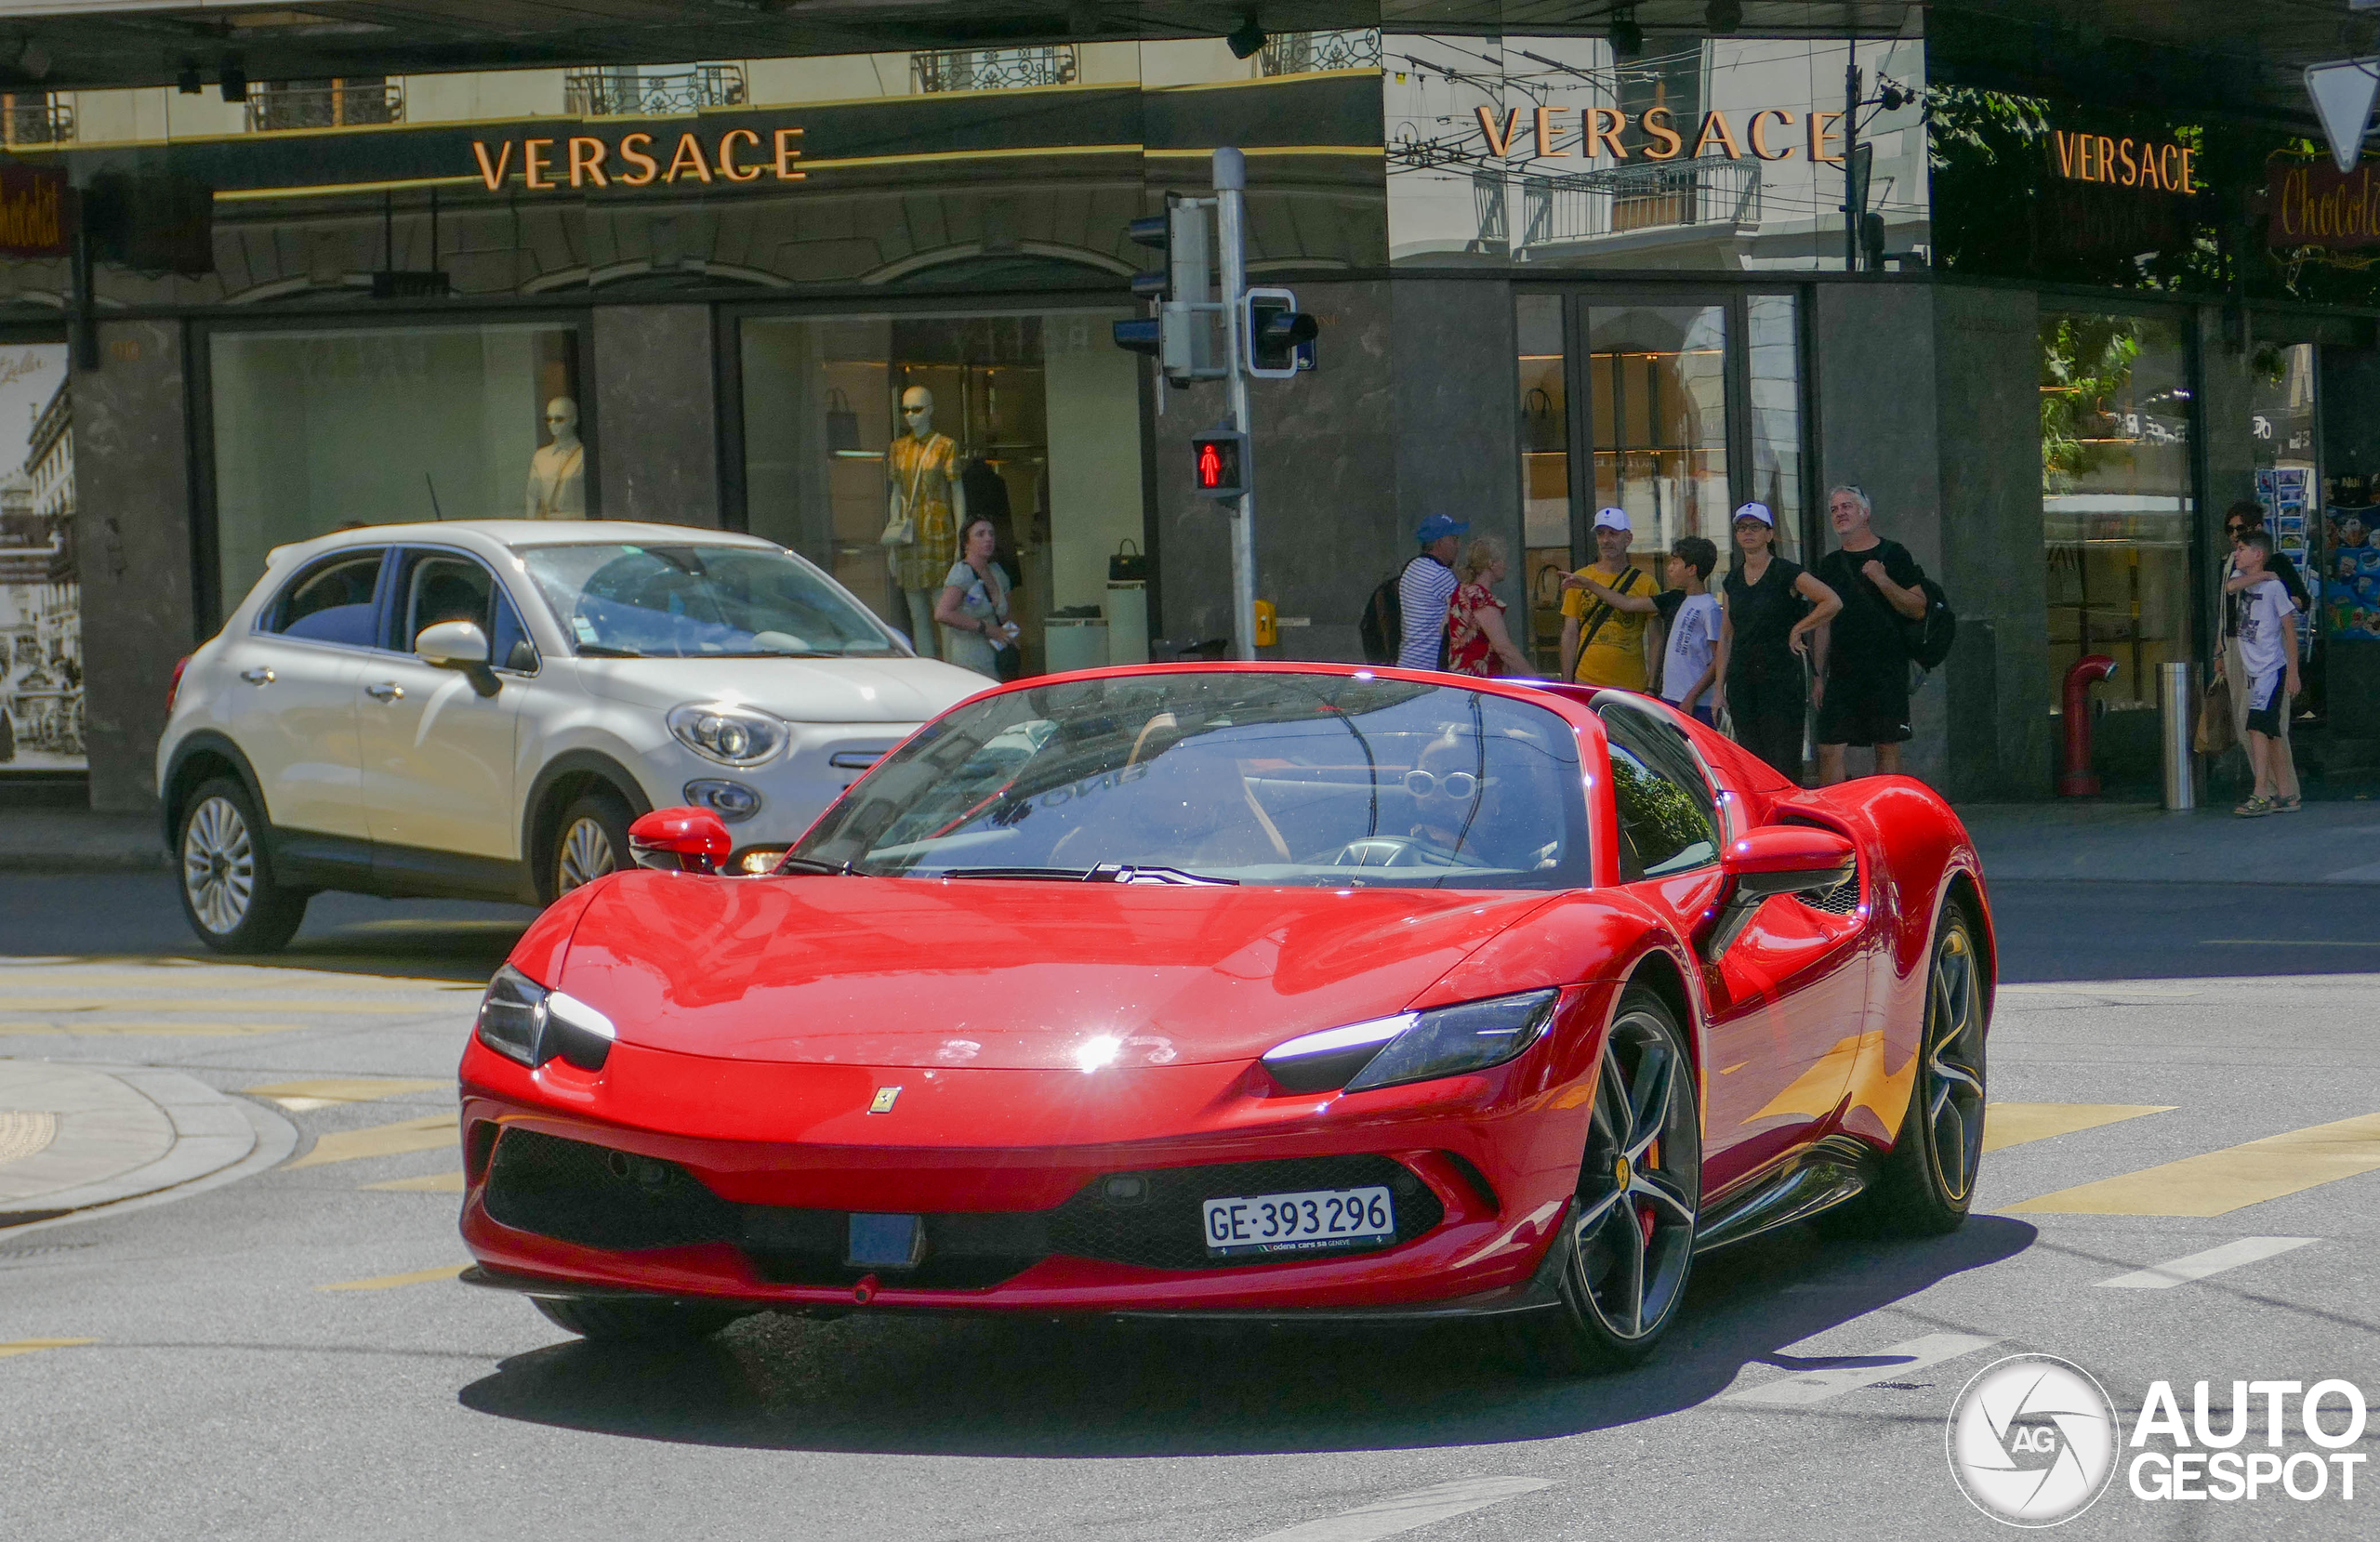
{"points": [[1404, 622], [1863, 654]]}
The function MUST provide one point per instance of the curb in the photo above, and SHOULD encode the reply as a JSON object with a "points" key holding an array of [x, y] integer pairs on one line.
{"points": [[124, 859], [204, 1133]]}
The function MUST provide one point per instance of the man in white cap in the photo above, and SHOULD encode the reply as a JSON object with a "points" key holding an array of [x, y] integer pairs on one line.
{"points": [[1606, 608]]}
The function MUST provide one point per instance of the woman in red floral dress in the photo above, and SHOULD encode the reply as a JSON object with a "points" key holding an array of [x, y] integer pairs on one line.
{"points": [[1477, 640]]}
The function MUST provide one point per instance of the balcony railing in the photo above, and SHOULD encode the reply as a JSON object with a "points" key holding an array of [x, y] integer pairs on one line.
{"points": [[324, 104], [35, 120], [994, 69], [631, 93], [1592, 204], [1308, 53]]}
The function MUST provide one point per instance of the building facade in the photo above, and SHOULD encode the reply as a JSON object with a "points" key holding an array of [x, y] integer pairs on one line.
{"points": [[1551, 277]]}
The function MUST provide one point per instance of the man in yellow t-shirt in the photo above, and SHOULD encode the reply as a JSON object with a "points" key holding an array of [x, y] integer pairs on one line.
{"points": [[1606, 608]]}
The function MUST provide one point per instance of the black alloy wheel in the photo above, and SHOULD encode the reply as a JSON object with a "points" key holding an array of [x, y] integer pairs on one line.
{"points": [[631, 1320], [1629, 1237], [1925, 1184], [227, 887]]}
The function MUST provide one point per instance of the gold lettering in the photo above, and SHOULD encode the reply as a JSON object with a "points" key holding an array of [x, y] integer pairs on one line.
{"points": [[634, 156], [1499, 144], [689, 159], [1820, 133], [586, 161], [2148, 178], [1715, 126], [2065, 151], [1545, 131], [1666, 142], [727, 165], [535, 163], [789, 153], [2292, 201], [2187, 186], [2107, 159], [1757, 131], [492, 175], [1600, 132], [2131, 168], [2165, 156]]}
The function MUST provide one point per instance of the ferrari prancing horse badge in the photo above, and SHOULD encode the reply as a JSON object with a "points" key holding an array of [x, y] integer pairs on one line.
{"points": [[882, 1101]]}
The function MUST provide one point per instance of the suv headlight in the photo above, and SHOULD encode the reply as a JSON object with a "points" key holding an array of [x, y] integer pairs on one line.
{"points": [[1413, 1047], [522, 1020], [730, 735]]}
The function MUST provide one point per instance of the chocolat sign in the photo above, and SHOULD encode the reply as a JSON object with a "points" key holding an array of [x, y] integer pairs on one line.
{"points": [[2312, 203], [637, 159]]}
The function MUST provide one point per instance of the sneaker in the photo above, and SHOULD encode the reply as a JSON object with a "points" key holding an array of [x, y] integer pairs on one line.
{"points": [[2255, 808], [2288, 805]]}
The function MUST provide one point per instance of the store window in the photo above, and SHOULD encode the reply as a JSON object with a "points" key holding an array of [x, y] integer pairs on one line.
{"points": [[2117, 498], [869, 439], [41, 593], [1656, 393], [318, 429], [1545, 471], [2282, 411]]}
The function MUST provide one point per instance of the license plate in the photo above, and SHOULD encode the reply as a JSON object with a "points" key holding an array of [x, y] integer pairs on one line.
{"points": [[1312, 1221]]}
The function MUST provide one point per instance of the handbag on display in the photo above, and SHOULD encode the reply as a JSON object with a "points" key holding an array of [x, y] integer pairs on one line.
{"points": [[843, 423], [1128, 567], [901, 529], [1539, 430]]}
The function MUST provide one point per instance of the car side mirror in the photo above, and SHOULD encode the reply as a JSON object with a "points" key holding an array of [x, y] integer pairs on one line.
{"points": [[452, 645], [679, 840], [1776, 859]]}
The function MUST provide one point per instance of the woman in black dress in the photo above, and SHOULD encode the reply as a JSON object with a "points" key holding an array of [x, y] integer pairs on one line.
{"points": [[1768, 607]]}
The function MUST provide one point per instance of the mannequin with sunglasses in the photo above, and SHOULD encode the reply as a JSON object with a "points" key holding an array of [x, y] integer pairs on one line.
{"points": [[926, 506], [2230, 666]]}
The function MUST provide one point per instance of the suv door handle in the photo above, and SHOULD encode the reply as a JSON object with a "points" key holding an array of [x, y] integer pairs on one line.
{"points": [[257, 675], [386, 690]]}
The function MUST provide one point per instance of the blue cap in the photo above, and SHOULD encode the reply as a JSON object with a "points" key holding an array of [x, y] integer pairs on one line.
{"points": [[1437, 527]]}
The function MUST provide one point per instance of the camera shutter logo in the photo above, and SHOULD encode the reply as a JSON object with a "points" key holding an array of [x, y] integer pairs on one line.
{"points": [[2033, 1440]]}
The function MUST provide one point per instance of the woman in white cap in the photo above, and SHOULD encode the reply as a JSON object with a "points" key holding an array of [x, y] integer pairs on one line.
{"points": [[1768, 606]]}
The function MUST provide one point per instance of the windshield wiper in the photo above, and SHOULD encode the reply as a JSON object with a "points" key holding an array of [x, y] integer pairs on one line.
{"points": [[1106, 872], [602, 651], [812, 864]]}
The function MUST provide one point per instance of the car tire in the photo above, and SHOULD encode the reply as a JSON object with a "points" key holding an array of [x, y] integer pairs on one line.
{"points": [[1923, 1186], [1627, 1240], [629, 1321], [590, 840], [226, 884]]}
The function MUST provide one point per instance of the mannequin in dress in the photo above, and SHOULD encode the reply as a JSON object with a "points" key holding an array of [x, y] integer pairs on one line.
{"points": [[558, 471], [922, 474]]}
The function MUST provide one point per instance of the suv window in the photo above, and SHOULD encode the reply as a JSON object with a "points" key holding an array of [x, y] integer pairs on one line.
{"points": [[1668, 822], [330, 601], [436, 585]]}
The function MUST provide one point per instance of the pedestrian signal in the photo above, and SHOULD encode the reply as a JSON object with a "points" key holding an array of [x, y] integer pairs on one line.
{"points": [[1219, 461]]}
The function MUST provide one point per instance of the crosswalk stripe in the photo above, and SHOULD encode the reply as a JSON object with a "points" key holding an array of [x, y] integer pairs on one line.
{"points": [[35, 1346], [436, 1183], [2214, 1260], [390, 1281], [1406, 1511], [428, 1133], [301, 1097], [2007, 1125], [1898, 1360], [2221, 1181]]}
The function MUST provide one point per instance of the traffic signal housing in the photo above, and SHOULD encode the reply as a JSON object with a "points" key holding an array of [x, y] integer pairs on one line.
{"points": [[1219, 462], [1178, 337], [1280, 337]]}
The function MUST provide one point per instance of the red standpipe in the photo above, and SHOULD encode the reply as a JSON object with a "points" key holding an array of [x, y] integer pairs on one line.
{"points": [[2078, 780]]}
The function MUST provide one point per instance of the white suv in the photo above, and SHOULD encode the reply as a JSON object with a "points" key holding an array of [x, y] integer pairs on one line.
{"points": [[477, 709]]}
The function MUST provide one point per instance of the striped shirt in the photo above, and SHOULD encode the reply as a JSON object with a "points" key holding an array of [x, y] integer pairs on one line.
{"points": [[1421, 594]]}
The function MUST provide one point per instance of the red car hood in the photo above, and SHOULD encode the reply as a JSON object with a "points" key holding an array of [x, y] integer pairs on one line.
{"points": [[1006, 975]]}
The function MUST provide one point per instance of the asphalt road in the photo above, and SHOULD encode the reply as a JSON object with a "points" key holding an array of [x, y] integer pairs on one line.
{"points": [[288, 1356]]}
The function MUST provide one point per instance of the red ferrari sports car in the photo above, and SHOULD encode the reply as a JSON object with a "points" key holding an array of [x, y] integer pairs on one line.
{"points": [[1261, 991]]}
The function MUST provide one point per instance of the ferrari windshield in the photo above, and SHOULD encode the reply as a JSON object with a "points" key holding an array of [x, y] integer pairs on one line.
{"points": [[619, 600], [1235, 776]]}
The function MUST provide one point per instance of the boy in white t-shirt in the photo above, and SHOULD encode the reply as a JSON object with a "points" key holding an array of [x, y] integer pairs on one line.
{"points": [[2268, 649], [1693, 625]]}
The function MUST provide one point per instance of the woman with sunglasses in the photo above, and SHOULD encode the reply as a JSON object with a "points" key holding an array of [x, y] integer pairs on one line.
{"points": [[2230, 664], [1768, 607]]}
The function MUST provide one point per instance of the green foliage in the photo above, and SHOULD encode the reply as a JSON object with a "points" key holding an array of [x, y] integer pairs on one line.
{"points": [[2087, 362]]}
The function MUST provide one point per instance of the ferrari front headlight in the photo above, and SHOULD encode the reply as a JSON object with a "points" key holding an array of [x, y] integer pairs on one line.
{"points": [[522, 1020], [1413, 1047]]}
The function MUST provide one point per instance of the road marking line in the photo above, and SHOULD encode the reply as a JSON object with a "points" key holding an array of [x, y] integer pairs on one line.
{"points": [[2283, 943], [303, 1097], [428, 1133], [2214, 1260], [2219, 1182], [1818, 1386], [390, 1281], [2097, 987], [148, 1029], [35, 1346], [186, 1002], [1406, 1511], [436, 1183], [2007, 1125]]}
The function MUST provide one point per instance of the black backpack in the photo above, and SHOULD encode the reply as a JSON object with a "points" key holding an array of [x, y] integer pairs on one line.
{"points": [[1928, 638], [1383, 623]]}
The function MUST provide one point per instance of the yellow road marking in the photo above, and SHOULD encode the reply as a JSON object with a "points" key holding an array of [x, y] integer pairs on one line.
{"points": [[35, 1346], [389, 1282], [436, 1183], [189, 1002], [2221, 1181], [2007, 1125], [147, 1030], [424, 1134], [299, 1097]]}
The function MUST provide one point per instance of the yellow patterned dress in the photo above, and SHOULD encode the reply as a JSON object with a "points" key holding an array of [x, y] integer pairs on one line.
{"points": [[922, 472]]}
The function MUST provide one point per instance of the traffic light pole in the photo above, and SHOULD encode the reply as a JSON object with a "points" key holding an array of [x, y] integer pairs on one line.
{"points": [[1231, 183]]}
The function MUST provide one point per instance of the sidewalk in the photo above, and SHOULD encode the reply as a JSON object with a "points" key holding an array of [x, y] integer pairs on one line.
{"points": [[2137, 843], [77, 840], [76, 1136]]}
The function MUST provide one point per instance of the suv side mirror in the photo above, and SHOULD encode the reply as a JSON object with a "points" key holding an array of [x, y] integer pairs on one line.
{"points": [[1776, 859], [452, 645], [679, 840]]}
